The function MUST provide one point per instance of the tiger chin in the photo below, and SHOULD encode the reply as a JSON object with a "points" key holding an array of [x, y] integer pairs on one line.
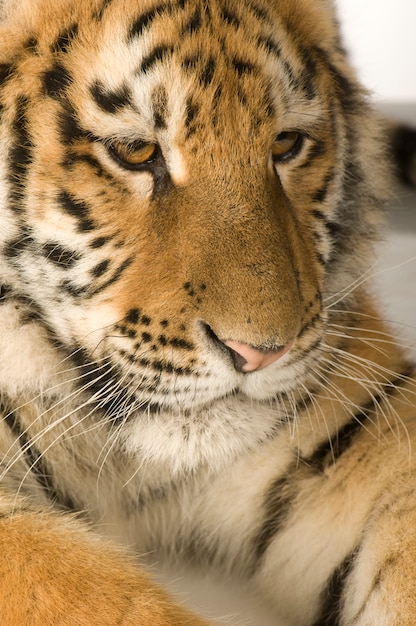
{"points": [[191, 359]]}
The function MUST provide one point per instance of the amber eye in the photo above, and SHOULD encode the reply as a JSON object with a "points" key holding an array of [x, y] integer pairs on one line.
{"points": [[287, 145], [133, 155]]}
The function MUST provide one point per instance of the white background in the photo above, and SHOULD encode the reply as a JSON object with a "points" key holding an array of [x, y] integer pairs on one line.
{"points": [[381, 38]]}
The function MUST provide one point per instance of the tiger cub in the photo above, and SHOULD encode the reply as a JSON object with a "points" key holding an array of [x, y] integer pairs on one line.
{"points": [[191, 360]]}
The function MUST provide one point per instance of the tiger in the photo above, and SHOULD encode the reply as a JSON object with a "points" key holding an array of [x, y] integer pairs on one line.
{"points": [[192, 362]]}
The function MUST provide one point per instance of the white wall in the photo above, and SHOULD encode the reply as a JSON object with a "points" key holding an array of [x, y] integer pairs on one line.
{"points": [[381, 38]]}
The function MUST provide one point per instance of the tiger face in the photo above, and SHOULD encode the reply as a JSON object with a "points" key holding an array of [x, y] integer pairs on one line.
{"points": [[179, 209]]}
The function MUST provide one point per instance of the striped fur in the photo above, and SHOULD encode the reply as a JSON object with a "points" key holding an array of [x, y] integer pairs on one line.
{"points": [[150, 222]]}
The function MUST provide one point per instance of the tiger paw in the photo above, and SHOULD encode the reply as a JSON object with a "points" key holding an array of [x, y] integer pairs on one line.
{"points": [[70, 577]]}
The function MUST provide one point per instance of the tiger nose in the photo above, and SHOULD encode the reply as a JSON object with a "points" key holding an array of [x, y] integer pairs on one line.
{"points": [[247, 358]]}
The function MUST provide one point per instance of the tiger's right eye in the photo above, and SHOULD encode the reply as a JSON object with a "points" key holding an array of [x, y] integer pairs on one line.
{"points": [[134, 155]]}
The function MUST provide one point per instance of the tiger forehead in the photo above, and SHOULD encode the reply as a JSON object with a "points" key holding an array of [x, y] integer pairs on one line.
{"points": [[202, 55], [203, 40]]}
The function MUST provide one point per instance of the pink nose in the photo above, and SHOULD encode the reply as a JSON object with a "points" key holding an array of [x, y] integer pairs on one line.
{"points": [[249, 359]]}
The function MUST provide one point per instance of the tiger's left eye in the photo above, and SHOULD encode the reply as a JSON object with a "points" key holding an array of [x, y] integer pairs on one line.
{"points": [[286, 146], [133, 155]]}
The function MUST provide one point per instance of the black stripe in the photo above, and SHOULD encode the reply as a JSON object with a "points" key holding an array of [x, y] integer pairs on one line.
{"points": [[393, 560], [70, 130], [102, 383], [190, 61], [334, 230], [37, 464], [113, 279], [56, 80], [99, 242], [206, 10], [330, 614], [98, 15], [161, 366], [72, 157], [270, 45], [347, 91], [316, 150], [192, 111], [64, 39], [14, 248], [109, 100], [91, 290], [277, 503], [306, 327], [29, 311], [162, 181], [270, 108], [321, 194], [321, 259], [158, 54], [291, 75], [100, 269], [319, 215], [32, 45], [75, 291], [208, 72], [145, 20], [309, 73], [182, 344], [78, 209], [6, 72], [60, 256], [5, 293], [194, 24], [20, 155], [280, 495], [160, 106], [329, 451], [242, 67], [230, 18], [259, 12], [348, 209]]}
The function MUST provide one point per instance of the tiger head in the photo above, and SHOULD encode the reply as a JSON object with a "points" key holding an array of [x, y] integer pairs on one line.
{"points": [[184, 191]]}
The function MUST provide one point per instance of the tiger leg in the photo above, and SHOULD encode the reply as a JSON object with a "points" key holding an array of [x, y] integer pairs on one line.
{"points": [[69, 577], [380, 589]]}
